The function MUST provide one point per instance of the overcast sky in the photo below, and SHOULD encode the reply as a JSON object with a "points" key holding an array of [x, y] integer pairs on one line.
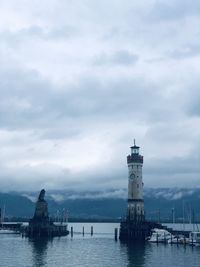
{"points": [[80, 79]]}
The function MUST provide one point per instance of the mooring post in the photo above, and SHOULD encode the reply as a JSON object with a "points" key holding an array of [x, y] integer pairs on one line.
{"points": [[91, 230], [83, 231], [116, 234], [171, 238], [157, 238], [71, 231]]}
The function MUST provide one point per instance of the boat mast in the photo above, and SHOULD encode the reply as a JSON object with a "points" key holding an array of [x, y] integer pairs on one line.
{"points": [[183, 215]]}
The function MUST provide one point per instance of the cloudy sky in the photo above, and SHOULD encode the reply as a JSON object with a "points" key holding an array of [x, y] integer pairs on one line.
{"points": [[80, 79]]}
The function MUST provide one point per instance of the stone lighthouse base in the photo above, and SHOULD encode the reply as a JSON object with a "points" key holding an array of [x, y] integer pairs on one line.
{"points": [[131, 230]]}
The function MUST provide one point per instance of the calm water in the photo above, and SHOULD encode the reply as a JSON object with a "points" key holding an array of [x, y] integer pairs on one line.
{"points": [[99, 250]]}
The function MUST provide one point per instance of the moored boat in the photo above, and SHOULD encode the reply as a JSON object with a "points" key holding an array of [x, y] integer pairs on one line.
{"points": [[160, 236], [9, 231], [194, 238], [179, 239]]}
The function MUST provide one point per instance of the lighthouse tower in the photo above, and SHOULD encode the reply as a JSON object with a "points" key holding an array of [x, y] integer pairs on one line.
{"points": [[135, 210], [134, 227]]}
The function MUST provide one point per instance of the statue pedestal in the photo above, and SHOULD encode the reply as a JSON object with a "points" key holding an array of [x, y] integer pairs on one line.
{"points": [[41, 225]]}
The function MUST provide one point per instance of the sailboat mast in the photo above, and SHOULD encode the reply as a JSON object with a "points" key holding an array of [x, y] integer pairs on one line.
{"points": [[183, 215]]}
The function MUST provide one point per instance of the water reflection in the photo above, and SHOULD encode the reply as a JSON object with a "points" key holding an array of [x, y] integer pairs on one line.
{"points": [[135, 254], [39, 252]]}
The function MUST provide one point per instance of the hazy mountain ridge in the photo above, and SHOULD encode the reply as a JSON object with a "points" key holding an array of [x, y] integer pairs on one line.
{"points": [[166, 193], [106, 204]]}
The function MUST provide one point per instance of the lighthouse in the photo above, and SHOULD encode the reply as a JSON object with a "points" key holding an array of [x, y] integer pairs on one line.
{"points": [[135, 211], [133, 226]]}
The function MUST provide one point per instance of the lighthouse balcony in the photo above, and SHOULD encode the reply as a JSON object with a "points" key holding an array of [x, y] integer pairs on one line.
{"points": [[134, 158]]}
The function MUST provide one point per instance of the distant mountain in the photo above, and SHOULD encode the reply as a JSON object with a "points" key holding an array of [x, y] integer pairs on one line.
{"points": [[184, 202], [16, 205], [159, 202]]}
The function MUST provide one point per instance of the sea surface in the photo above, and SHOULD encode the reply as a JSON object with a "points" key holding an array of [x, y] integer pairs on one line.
{"points": [[98, 250]]}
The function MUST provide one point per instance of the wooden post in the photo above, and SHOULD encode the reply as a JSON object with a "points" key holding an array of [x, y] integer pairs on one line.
{"points": [[157, 238], [91, 230], [116, 234], [71, 231], [83, 231], [171, 238]]}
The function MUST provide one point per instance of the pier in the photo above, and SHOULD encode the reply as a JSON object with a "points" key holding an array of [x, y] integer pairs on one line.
{"points": [[11, 226]]}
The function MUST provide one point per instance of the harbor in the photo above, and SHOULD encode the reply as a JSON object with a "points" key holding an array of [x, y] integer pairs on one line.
{"points": [[134, 227], [99, 133], [101, 249]]}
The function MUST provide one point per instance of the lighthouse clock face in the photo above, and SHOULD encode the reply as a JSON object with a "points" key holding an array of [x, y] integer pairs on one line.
{"points": [[132, 176]]}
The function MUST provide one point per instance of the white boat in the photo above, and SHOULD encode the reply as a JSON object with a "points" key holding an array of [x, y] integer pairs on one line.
{"points": [[180, 239], [160, 236], [3, 228], [194, 238], [8, 231]]}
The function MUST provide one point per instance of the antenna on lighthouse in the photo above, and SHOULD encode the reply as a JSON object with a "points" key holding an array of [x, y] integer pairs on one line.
{"points": [[134, 141]]}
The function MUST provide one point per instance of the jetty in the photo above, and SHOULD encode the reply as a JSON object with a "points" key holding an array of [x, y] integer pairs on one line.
{"points": [[41, 225]]}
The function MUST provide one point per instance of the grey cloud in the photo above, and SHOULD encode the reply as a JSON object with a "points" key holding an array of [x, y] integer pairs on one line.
{"points": [[121, 57], [28, 177], [62, 195], [175, 166], [192, 96], [170, 193], [175, 171], [54, 177], [173, 10], [115, 193], [58, 87], [194, 109], [28, 101], [187, 51], [33, 32]]}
